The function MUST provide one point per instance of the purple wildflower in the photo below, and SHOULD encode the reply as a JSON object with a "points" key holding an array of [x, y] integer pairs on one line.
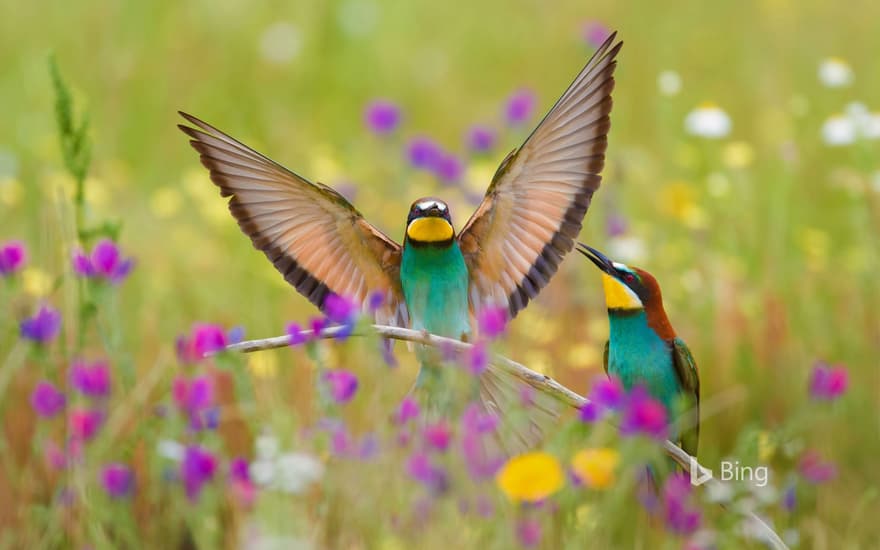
{"points": [[789, 498], [492, 322], [815, 470], [828, 382], [382, 116], [681, 516], [475, 446], [423, 152], [480, 139], [420, 468], [105, 262], [528, 532], [408, 410], [475, 419], [343, 311], [195, 397], [91, 380], [235, 335], [13, 256], [606, 394], [117, 480], [197, 468], [481, 463], [595, 33], [43, 327], [194, 394], [341, 443], [591, 412], [519, 107], [375, 300], [448, 168], [317, 324], [369, 447], [208, 338], [84, 423], [438, 435], [615, 225], [243, 487], [295, 333], [342, 384], [54, 456], [205, 339], [478, 358], [340, 309], [643, 415], [46, 400]]}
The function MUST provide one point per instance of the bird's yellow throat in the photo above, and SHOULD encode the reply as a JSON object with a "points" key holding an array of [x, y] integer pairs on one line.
{"points": [[618, 295], [429, 229]]}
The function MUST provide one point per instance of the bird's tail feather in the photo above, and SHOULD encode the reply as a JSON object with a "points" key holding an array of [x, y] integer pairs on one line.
{"points": [[526, 415]]}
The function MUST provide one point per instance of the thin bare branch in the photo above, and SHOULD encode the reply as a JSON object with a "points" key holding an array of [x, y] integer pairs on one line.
{"points": [[540, 382]]}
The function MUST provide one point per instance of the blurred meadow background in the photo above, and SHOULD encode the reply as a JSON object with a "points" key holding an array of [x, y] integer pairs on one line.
{"points": [[743, 171]]}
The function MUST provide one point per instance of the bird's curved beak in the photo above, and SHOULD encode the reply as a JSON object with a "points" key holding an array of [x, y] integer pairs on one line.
{"points": [[601, 260]]}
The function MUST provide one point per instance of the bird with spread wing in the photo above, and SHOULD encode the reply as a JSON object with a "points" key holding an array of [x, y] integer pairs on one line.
{"points": [[437, 280]]}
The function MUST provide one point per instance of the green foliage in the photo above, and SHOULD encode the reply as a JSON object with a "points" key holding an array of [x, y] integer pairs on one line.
{"points": [[73, 136]]}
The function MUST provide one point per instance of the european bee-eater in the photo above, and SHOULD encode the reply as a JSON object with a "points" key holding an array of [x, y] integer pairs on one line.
{"points": [[505, 254], [643, 348]]}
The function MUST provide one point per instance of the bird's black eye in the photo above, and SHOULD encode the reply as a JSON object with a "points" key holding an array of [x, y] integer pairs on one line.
{"points": [[629, 277]]}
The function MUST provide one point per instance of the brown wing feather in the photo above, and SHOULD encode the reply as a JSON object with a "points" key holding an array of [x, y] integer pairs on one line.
{"points": [[534, 208], [317, 240], [689, 377]]}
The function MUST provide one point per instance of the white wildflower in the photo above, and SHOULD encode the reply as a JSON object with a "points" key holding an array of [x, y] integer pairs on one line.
{"points": [[170, 449], [296, 471], [669, 83], [871, 126], [835, 72], [627, 249], [708, 121], [267, 447], [839, 130]]}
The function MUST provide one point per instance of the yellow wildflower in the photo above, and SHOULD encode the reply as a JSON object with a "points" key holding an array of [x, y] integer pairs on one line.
{"points": [[595, 467], [530, 477], [766, 447], [738, 154], [10, 191], [166, 202], [36, 282], [263, 365]]}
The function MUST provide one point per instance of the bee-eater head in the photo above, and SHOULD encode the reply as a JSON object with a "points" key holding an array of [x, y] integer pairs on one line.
{"points": [[626, 288], [429, 222]]}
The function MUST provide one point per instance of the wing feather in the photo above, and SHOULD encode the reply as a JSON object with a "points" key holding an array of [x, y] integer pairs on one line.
{"points": [[534, 207], [688, 376], [317, 240]]}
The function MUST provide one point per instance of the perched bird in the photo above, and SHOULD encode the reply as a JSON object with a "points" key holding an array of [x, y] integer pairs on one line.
{"points": [[505, 254], [643, 348]]}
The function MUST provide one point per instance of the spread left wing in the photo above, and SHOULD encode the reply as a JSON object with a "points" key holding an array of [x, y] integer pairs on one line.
{"points": [[686, 370], [535, 205], [310, 233]]}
